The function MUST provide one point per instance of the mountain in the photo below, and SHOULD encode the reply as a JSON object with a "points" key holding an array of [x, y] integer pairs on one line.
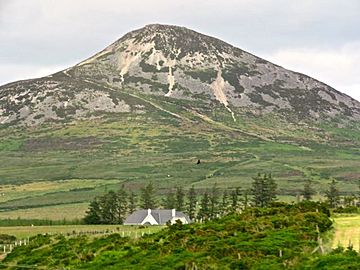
{"points": [[156, 101], [176, 63]]}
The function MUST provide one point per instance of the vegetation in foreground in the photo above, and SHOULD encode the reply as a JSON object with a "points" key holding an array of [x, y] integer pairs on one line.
{"points": [[278, 237]]}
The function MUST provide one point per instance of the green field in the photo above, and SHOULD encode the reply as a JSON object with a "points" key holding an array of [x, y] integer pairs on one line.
{"points": [[56, 212], [23, 232], [347, 231]]}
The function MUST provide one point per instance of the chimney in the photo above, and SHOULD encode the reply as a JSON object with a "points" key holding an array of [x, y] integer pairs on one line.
{"points": [[149, 211], [173, 212]]}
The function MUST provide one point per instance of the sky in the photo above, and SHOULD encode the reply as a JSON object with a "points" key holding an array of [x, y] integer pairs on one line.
{"points": [[319, 38]]}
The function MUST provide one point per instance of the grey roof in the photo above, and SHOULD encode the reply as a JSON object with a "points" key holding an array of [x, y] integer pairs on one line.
{"points": [[136, 217], [160, 215]]}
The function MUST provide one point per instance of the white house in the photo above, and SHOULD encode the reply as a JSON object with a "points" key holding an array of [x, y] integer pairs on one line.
{"points": [[156, 217]]}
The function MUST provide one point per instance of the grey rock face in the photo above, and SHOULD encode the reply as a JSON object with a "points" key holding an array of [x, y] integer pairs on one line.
{"points": [[177, 63]]}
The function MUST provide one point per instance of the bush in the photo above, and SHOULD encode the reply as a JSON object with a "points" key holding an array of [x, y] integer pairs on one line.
{"points": [[347, 210], [7, 239]]}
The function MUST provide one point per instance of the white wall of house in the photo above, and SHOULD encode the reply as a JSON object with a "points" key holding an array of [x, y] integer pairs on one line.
{"points": [[149, 219]]}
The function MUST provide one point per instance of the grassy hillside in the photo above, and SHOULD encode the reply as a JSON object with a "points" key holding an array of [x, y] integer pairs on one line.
{"points": [[72, 162]]}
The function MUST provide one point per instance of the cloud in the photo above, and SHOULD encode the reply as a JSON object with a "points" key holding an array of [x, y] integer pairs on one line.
{"points": [[353, 90], [10, 73], [48, 33], [337, 67]]}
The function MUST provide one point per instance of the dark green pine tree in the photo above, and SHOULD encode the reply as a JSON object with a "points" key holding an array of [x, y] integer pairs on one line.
{"points": [[147, 199], [121, 206], [169, 201], [270, 189], [332, 195], [246, 199], [224, 205], [180, 199], [108, 208], [204, 211], [257, 191], [132, 203], [214, 202], [235, 200], [93, 214], [263, 190], [192, 201], [308, 190]]}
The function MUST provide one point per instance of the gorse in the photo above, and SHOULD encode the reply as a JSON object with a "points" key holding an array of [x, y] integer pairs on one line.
{"points": [[281, 236]]}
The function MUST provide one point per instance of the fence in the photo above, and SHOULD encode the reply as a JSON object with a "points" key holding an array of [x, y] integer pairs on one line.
{"points": [[7, 248]]}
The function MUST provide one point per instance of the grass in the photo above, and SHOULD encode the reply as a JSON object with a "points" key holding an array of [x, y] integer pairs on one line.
{"points": [[347, 231], [22, 232], [65, 164], [56, 212], [34, 189]]}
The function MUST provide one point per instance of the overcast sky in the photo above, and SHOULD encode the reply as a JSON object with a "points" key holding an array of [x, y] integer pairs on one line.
{"points": [[319, 38]]}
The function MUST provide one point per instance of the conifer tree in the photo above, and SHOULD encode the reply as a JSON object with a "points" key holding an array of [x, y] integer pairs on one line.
{"points": [[111, 208], [121, 206], [246, 199], [234, 196], [224, 206], [148, 200], [214, 202], [192, 201], [263, 190], [180, 199], [204, 211], [332, 195], [132, 203], [270, 189], [308, 191], [169, 201], [108, 208], [93, 214], [257, 191]]}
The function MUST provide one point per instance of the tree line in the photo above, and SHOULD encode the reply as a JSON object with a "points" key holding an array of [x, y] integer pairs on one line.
{"points": [[113, 207], [332, 195]]}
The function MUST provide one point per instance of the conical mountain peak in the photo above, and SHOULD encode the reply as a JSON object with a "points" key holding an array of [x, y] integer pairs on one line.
{"points": [[186, 66]]}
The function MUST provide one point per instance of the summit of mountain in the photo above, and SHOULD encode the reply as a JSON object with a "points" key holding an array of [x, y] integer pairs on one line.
{"points": [[175, 63]]}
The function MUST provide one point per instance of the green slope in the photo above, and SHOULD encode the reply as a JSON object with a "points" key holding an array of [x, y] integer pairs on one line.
{"points": [[163, 144]]}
